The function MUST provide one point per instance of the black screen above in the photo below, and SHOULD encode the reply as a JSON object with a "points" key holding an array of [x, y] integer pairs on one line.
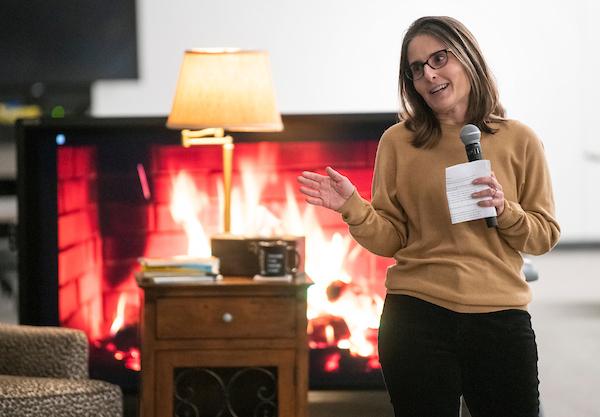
{"points": [[67, 41]]}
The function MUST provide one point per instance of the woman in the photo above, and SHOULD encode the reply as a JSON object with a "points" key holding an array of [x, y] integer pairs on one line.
{"points": [[455, 318]]}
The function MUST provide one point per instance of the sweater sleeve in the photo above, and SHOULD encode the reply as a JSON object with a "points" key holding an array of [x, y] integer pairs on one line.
{"points": [[379, 226], [529, 225]]}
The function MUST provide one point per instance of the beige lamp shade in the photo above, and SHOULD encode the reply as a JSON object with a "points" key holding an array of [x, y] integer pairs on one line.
{"points": [[226, 88]]}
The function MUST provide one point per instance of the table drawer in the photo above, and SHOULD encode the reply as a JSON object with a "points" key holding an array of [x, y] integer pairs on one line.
{"points": [[225, 317]]}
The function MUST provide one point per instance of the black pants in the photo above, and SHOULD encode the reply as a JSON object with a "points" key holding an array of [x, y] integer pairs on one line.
{"points": [[430, 356]]}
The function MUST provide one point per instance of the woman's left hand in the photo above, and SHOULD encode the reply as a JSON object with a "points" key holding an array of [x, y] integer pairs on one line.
{"points": [[494, 191]]}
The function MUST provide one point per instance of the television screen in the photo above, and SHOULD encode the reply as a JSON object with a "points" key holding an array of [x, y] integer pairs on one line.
{"points": [[67, 41]]}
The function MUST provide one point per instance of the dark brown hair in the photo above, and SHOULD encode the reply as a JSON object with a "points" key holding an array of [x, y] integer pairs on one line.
{"points": [[484, 103]]}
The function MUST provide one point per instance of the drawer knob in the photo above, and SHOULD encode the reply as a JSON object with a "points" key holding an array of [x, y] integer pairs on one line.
{"points": [[227, 317]]}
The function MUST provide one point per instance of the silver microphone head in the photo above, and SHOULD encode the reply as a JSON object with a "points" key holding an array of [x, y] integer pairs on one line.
{"points": [[470, 134]]}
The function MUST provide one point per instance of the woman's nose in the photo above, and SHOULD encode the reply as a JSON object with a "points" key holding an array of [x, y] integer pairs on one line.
{"points": [[429, 72]]}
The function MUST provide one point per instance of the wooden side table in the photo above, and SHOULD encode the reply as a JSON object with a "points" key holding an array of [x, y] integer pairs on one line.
{"points": [[234, 346]]}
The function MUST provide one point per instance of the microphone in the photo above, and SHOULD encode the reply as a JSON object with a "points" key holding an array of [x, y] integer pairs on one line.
{"points": [[470, 135]]}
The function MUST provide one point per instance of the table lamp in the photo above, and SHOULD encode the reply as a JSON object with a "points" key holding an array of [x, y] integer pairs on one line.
{"points": [[223, 89]]}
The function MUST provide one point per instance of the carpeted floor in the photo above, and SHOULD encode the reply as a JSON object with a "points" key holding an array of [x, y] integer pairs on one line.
{"points": [[566, 318]]}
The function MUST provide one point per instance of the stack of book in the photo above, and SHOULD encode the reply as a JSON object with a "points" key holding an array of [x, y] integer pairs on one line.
{"points": [[180, 269]]}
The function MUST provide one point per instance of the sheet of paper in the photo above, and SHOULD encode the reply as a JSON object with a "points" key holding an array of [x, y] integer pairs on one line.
{"points": [[459, 187]]}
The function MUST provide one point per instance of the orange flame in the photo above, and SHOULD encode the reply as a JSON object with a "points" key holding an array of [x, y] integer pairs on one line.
{"points": [[186, 202], [117, 323], [332, 363], [326, 257], [248, 216]]}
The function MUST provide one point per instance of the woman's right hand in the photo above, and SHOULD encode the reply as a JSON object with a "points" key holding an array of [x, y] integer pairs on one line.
{"points": [[330, 191]]}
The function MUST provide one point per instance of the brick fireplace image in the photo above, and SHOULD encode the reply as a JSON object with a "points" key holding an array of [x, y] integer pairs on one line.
{"points": [[96, 195]]}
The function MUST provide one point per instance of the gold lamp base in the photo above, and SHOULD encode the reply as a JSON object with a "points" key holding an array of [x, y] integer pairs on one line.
{"points": [[215, 136]]}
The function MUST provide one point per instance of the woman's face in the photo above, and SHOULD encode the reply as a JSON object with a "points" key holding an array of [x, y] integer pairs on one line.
{"points": [[445, 90]]}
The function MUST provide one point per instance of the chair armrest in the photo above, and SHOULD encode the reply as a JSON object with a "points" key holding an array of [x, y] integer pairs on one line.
{"points": [[53, 352]]}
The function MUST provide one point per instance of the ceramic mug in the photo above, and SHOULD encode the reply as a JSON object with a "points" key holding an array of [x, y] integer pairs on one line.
{"points": [[277, 258]]}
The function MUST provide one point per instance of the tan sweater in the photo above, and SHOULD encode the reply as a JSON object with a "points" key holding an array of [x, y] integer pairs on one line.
{"points": [[464, 267]]}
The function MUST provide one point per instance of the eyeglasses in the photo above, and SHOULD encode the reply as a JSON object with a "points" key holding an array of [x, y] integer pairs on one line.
{"points": [[436, 60]]}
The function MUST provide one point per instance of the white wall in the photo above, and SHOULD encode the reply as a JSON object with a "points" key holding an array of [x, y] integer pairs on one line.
{"points": [[331, 56]]}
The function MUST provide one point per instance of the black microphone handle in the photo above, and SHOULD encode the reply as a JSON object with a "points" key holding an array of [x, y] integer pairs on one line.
{"points": [[474, 154], [491, 221]]}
